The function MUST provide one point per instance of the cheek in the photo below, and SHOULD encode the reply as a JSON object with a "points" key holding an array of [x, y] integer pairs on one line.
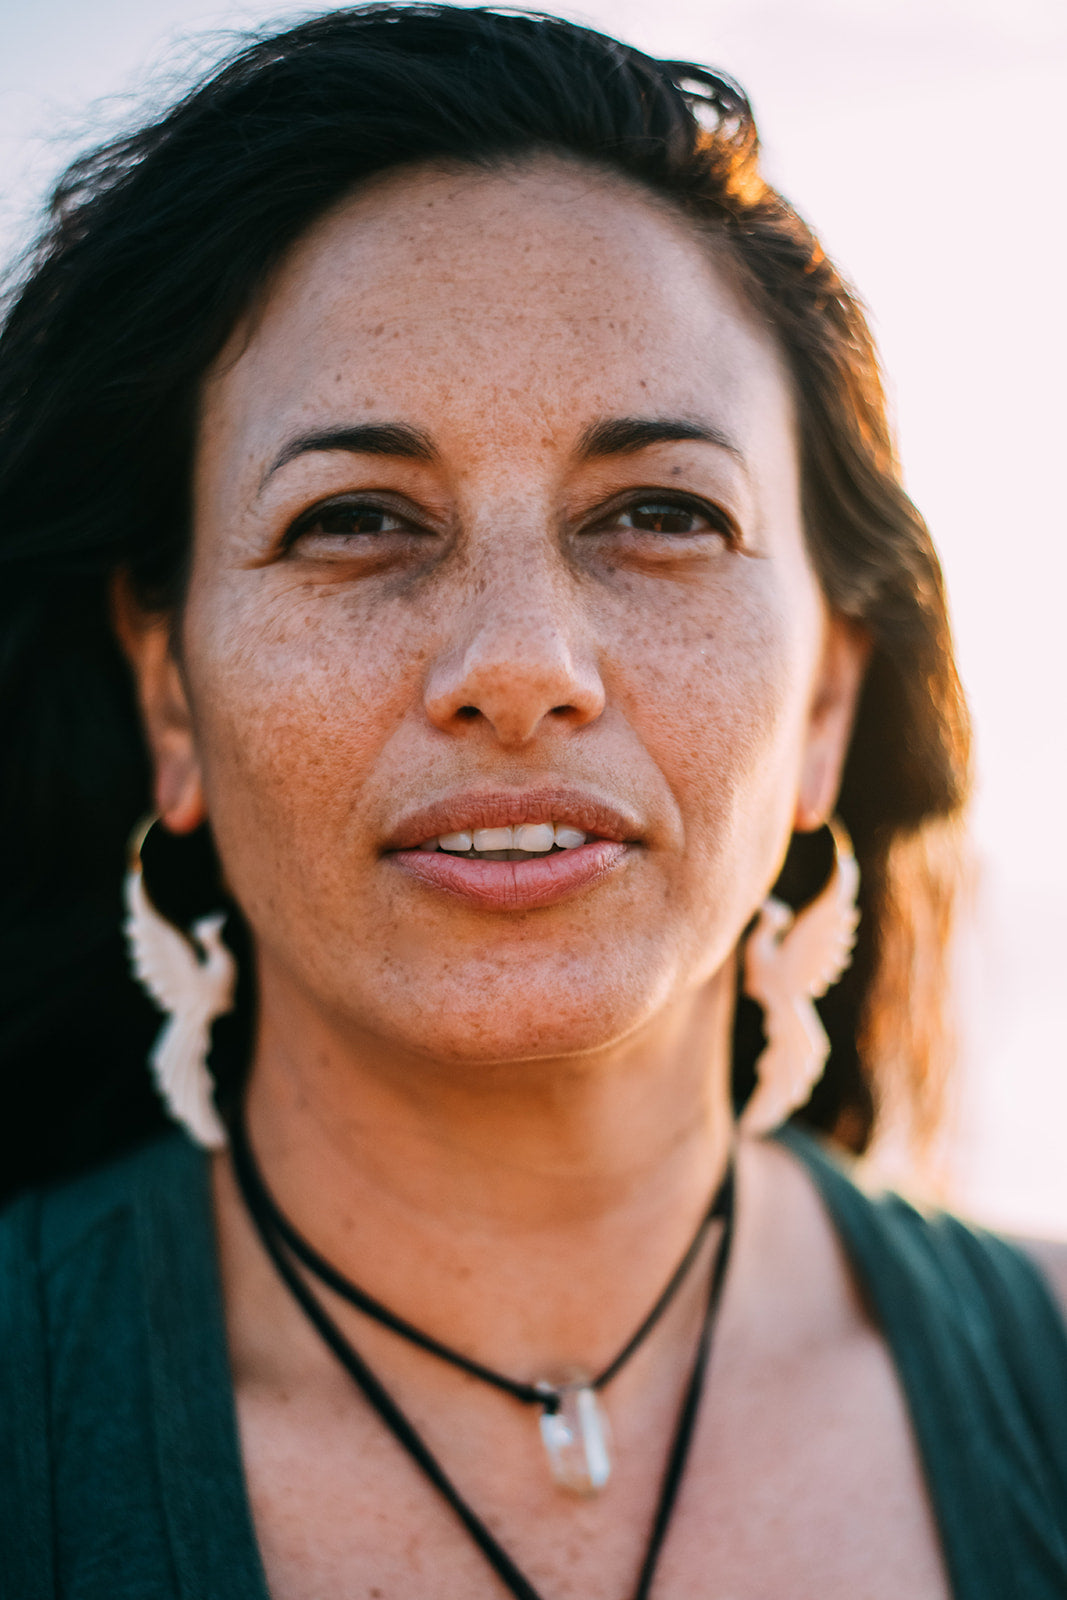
{"points": [[722, 706], [294, 698]]}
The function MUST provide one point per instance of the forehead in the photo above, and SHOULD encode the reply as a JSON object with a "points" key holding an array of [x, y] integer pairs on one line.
{"points": [[546, 294]]}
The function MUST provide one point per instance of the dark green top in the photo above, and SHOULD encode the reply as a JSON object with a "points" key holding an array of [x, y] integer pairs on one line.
{"points": [[121, 1476]]}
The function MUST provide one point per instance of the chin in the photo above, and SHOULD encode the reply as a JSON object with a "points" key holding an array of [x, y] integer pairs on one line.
{"points": [[569, 1014]]}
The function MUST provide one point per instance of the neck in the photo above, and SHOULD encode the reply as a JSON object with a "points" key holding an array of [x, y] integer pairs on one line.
{"points": [[496, 1183]]}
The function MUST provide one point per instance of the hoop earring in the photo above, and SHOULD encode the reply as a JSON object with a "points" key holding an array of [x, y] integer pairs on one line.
{"points": [[791, 960], [191, 977]]}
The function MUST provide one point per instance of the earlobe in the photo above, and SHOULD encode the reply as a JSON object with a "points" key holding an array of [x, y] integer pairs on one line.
{"points": [[846, 651], [146, 638], [179, 794]]}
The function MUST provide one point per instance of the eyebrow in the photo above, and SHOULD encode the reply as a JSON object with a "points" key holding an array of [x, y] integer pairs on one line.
{"points": [[614, 436], [367, 439], [617, 436]]}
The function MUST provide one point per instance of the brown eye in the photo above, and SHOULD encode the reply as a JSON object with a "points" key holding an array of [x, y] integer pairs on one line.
{"points": [[662, 517], [672, 517], [348, 520]]}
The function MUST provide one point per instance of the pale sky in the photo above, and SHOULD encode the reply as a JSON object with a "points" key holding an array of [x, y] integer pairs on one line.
{"points": [[924, 139]]}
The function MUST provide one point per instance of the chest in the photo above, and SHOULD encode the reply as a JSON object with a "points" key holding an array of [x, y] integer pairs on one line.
{"points": [[801, 1481]]}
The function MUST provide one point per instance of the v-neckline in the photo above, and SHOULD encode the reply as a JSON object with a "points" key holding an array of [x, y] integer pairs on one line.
{"points": [[936, 1357]]}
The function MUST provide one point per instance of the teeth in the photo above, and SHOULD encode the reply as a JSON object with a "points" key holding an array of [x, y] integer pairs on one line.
{"points": [[536, 838], [493, 839]]}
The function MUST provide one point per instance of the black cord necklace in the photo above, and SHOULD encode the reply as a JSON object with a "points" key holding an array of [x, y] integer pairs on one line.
{"points": [[282, 1242], [573, 1427]]}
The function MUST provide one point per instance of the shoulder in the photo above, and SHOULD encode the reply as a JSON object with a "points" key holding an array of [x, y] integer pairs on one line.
{"points": [[112, 1373], [1049, 1256], [926, 1265], [65, 1267], [43, 1229], [976, 1330], [80, 1262]]}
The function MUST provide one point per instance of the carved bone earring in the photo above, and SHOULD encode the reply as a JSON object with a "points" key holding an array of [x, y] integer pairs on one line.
{"points": [[192, 977], [790, 961]]}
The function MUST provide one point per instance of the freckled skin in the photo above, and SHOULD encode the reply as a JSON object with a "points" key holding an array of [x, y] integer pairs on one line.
{"points": [[499, 315], [505, 1124]]}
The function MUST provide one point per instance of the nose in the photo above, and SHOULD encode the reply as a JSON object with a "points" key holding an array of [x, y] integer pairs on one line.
{"points": [[519, 661]]}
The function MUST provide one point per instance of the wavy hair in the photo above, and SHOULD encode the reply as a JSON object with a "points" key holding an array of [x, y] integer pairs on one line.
{"points": [[155, 245]]}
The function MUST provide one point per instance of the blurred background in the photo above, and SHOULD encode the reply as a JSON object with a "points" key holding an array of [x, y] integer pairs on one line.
{"points": [[925, 140]]}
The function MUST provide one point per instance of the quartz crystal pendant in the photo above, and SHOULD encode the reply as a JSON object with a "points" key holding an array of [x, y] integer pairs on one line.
{"points": [[576, 1435]]}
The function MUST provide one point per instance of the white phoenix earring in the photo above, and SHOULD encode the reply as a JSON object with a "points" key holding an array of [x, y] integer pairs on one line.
{"points": [[192, 977], [791, 960]]}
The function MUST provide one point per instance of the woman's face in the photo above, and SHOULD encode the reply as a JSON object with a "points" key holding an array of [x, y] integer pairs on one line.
{"points": [[497, 523]]}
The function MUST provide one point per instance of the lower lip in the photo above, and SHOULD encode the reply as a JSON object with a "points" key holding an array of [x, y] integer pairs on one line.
{"points": [[514, 885]]}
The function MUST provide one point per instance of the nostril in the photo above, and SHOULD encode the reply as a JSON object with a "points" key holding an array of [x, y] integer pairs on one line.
{"points": [[562, 711], [468, 713]]}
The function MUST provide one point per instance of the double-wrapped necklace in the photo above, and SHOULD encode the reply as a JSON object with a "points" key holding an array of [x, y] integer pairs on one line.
{"points": [[572, 1422]]}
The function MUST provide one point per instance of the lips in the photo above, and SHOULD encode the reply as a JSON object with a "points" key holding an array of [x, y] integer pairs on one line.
{"points": [[511, 808], [540, 879], [515, 885]]}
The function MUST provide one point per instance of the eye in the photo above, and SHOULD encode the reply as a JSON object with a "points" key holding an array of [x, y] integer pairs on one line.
{"points": [[673, 516], [347, 519]]}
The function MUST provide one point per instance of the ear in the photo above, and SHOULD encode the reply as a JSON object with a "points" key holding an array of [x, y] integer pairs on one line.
{"points": [[147, 640], [846, 650]]}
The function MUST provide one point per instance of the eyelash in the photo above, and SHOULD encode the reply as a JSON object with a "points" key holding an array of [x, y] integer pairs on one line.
{"points": [[669, 503], [672, 504], [306, 522]]}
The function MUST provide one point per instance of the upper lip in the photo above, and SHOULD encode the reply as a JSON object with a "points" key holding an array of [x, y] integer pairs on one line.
{"points": [[508, 808]]}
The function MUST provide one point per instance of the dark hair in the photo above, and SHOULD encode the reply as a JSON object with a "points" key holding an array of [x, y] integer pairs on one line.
{"points": [[156, 244]]}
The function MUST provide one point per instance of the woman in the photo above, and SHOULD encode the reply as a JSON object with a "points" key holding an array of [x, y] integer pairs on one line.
{"points": [[485, 479]]}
